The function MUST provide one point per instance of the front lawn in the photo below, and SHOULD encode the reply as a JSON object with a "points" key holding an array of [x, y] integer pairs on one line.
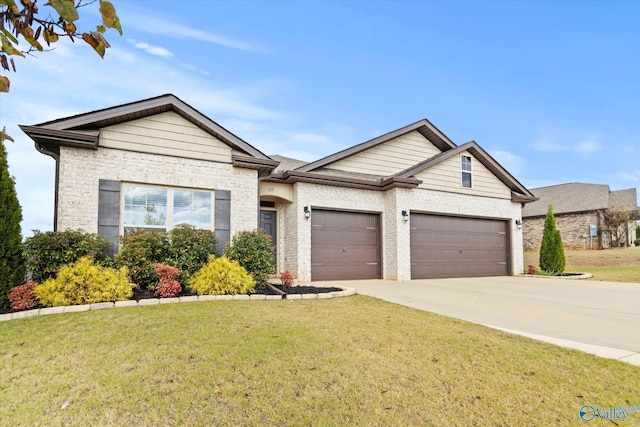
{"points": [[613, 265], [346, 361]]}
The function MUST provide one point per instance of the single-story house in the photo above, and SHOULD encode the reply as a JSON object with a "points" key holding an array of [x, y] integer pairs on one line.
{"points": [[407, 204], [579, 213]]}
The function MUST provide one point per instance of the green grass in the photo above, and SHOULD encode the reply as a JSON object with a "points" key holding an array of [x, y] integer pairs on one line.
{"points": [[348, 361], [612, 265]]}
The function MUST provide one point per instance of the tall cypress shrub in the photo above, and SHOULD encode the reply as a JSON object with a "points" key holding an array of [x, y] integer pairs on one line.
{"points": [[11, 257], [552, 258]]}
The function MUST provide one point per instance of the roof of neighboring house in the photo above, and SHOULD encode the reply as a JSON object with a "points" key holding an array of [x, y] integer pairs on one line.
{"points": [[578, 197], [626, 199], [287, 163]]}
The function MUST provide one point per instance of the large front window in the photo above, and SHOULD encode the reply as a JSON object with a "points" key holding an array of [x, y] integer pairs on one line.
{"points": [[160, 208]]}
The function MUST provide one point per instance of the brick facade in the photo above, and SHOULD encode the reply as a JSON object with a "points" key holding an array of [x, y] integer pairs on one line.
{"points": [[81, 169], [294, 252]]}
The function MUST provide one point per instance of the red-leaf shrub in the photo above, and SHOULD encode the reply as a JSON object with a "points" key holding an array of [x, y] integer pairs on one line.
{"points": [[532, 269], [286, 278], [23, 297], [168, 287]]}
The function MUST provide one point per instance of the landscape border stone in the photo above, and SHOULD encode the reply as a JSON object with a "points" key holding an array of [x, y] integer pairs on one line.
{"points": [[154, 301]]}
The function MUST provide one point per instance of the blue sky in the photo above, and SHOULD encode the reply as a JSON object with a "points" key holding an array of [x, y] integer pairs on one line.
{"points": [[550, 89]]}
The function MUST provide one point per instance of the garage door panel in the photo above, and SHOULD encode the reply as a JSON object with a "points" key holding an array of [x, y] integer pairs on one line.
{"points": [[444, 246], [344, 245]]}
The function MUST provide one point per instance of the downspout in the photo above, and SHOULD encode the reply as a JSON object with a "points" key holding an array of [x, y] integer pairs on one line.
{"points": [[56, 157]]}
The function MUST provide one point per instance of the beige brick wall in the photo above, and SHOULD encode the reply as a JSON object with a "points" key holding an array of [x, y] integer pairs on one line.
{"points": [[81, 169], [430, 201], [395, 234]]}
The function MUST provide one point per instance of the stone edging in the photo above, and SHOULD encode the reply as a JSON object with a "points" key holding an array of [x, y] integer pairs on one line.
{"points": [[577, 276], [345, 292]]}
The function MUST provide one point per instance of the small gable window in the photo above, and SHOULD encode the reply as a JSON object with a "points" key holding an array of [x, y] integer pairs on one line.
{"points": [[465, 167]]}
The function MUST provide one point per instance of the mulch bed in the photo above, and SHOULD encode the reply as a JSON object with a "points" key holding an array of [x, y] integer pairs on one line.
{"points": [[139, 294]]}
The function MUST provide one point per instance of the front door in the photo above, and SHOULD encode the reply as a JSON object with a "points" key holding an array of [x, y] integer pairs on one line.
{"points": [[268, 224]]}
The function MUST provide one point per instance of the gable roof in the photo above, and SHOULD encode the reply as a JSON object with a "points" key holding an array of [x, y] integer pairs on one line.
{"points": [[424, 126], [292, 170], [519, 192], [578, 197], [82, 130]]}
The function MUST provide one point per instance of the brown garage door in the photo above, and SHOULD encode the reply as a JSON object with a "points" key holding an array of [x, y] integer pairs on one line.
{"points": [[344, 245], [444, 246]]}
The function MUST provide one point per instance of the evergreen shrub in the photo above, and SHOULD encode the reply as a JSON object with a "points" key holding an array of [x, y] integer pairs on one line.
{"points": [[47, 252], [254, 252], [11, 251], [139, 251], [23, 297], [85, 282], [221, 276], [552, 259]]}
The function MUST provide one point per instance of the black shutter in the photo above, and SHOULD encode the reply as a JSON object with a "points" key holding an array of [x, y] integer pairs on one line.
{"points": [[222, 219], [109, 213]]}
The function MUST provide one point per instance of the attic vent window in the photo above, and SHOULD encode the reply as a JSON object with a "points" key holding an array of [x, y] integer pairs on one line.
{"points": [[465, 167]]}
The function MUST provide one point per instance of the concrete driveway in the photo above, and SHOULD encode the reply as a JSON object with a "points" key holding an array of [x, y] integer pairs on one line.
{"points": [[602, 318]]}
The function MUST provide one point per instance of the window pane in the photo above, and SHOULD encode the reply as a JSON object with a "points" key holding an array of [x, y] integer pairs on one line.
{"points": [[145, 205], [193, 208], [466, 179], [466, 163]]}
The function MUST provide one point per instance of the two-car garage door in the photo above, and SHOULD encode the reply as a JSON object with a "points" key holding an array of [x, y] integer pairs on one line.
{"points": [[445, 246], [347, 246]]}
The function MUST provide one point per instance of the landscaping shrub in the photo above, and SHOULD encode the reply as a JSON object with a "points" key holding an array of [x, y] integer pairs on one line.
{"points": [[47, 252], [253, 251], [190, 249], [286, 278], [168, 287], [532, 269], [11, 250], [221, 276], [85, 282], [139, 251], [552, 259], [23, 297]]}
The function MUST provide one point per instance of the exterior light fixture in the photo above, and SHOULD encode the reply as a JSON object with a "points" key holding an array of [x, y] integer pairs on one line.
{"points": [[405, 215], [519, 224], [307, 212]]}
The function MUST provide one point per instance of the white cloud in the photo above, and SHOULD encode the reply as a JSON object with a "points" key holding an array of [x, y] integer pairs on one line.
{"points": [[633, 176], [166, 28], [152, 50], [585, 146]]}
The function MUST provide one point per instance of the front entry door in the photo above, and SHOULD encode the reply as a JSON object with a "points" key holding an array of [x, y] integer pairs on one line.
{"points": [[268, 224]]}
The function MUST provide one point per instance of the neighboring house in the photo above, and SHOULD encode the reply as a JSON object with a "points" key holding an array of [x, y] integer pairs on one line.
{"points": [[408, 204], [576, 207]]}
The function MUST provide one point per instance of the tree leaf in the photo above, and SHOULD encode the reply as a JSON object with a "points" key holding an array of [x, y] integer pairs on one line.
{"points": [[109, 17], [9, 36], [9, 3], [101, 29], [33, 42], [8, 48], [4, 136], [70, 28], [4, 84], [95, 43], [3, 62], [65, 8], [50, 36]]}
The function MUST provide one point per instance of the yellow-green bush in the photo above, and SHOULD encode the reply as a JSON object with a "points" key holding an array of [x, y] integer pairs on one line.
{"points": [[221, 276], [85, 282]]}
